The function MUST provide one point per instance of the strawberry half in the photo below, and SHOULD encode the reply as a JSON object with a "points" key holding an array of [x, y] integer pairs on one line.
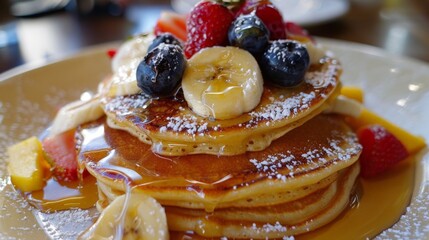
{"points": [[173, 23], [61, 154], [381, 150], [207, 26], [269, 14]]}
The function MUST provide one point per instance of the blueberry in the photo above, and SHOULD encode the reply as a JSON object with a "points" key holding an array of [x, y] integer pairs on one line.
{"points": [[249, 33], [284, 62], [160, 72], [166, 38]]}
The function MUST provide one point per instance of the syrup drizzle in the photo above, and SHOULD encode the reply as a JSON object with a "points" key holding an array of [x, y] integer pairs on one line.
{"points": [[365, 214]]}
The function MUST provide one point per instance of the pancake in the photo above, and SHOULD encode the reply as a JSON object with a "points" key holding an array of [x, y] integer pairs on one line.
{"points": [[304, 157], [307, 214], [172, 129]]}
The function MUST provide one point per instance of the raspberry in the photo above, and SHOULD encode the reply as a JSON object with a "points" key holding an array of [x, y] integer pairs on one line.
{"points": [[381, 150], [269, 15], [207, 26]]}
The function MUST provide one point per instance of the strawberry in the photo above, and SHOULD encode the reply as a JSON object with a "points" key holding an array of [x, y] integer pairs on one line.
{"points": [[294, 31], [269, 15], [173, 23], [381, 150], [207, 25], [61, 153]]}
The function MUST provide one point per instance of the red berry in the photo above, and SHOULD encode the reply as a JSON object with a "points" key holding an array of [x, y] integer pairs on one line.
{"points": [[293, 29], [171, 22], [111, 53], [61, 153], [269, 15], [381, 150], [207, 26]]}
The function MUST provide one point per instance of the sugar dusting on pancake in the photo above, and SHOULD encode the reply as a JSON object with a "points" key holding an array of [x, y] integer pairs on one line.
{"points": [[171, 127]]}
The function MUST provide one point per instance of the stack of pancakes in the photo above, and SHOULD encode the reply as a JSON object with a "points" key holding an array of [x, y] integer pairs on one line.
{"points": [[282, 169]]}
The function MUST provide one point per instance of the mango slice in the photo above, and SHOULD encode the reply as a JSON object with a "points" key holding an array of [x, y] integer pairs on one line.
{"points": [[411, 142], [27, 165], [353, 92]]}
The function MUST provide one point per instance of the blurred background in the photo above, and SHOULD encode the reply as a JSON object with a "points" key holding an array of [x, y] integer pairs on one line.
{"points": [[36, 30]]}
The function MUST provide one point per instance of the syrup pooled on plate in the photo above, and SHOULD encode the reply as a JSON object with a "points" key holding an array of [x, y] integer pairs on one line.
{"points": [[57, 195]]}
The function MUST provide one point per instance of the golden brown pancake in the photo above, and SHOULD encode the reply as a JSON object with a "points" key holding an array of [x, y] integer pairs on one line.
{"points": [[304, 157], [172, 129]]}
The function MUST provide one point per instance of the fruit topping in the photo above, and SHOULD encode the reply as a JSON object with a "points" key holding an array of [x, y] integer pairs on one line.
{"points": [[61, 154], [166, 38], [160, 72], [284, 62], [207, 26], [269, 14], [171, 22], [353, 92], [111, 53], [381, 150], [75, 113], [222, 82], [249, 33], [27, 165], [411, 142], [296, 32], [142, 217]]}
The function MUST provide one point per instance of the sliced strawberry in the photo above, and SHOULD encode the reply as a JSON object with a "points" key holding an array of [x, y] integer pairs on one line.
{"points": [[207, 26], [61, 153], [173, 23], [381, 150], [294, 31], [269, 14]]}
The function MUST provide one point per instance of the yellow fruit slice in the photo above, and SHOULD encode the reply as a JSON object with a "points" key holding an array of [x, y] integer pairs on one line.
{"points": [[27, 165], [411, 142], [353, 92]]}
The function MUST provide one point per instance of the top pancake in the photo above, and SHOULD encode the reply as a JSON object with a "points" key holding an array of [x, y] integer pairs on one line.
{"points": [[171, 127]]}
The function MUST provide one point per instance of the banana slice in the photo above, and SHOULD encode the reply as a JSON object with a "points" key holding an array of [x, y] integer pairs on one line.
{"points": [[125, 63], [222, 82], [132, 216], [76, 113], [135, 48]]}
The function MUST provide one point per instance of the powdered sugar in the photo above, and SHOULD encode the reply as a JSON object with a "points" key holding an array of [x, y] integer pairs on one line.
{"points": [[283, 107], [190, 124], [284, 166]]}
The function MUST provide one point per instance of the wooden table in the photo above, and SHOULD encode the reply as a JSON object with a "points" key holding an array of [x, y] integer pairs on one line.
{"points": [[398, 26]]}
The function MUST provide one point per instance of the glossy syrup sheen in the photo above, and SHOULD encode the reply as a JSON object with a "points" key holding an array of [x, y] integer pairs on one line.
{"points": [[375, 206], [378, 204], [65, 195], [117, 151]]}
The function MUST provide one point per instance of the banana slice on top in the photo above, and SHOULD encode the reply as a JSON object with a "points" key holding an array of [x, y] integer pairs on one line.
{"points": [[130, 216], [222, 82]]}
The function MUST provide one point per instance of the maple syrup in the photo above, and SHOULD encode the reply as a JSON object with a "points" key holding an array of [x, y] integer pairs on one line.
{"points": [[65, 195], [376, 205]]}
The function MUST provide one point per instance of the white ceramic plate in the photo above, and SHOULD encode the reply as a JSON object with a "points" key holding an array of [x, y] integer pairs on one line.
{"points": [[395, 87], [303, 12]]}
